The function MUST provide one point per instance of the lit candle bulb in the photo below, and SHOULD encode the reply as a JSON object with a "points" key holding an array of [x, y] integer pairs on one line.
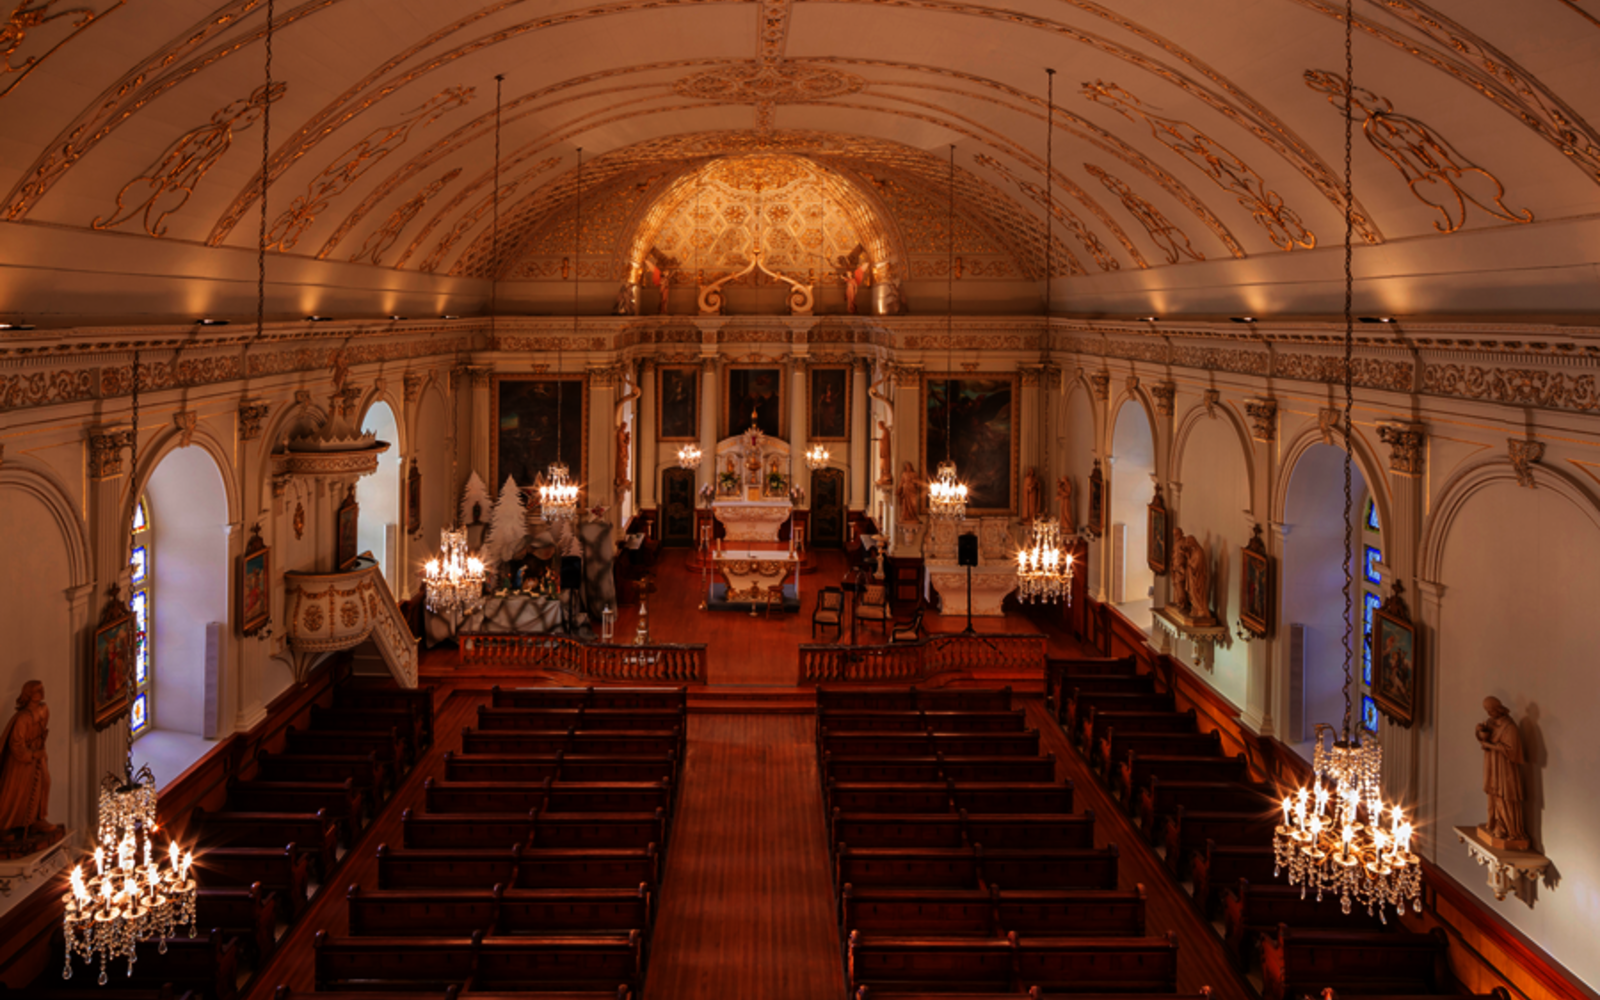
{"points": [[1286, 805], [99, 860]]}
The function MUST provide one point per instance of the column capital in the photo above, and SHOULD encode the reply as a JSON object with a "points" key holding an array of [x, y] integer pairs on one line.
{"points": [[105, 452], [1164, 393], [1263, 414], [1407, 446], [252, 415], [1100, 382]]}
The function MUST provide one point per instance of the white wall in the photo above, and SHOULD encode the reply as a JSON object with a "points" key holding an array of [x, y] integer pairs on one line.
{"points": [[439, 501], [1517, 622], [1133, 454], [189, 513], [1078, 443], [1313, 576], [379, 494], [1215, 496]]}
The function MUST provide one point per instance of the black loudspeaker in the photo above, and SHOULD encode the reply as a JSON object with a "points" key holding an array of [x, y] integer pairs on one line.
{"points": [[571, 572], [966, 550]]}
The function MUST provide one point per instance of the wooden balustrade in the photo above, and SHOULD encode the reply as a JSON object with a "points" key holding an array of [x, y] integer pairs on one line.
{"points": [[913, 662], [591, 661]]}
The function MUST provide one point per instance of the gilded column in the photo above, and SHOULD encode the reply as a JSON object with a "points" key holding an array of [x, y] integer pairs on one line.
{"points": [[605, 481], [646, 477]]}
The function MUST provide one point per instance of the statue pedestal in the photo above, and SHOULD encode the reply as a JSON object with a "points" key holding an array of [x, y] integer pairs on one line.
{"points": [[1507, 867], [1204, 633], [33, 869]]}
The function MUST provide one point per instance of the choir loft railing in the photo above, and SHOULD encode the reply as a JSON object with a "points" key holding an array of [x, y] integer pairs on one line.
{"points": [[913, 662], [605, 663]]}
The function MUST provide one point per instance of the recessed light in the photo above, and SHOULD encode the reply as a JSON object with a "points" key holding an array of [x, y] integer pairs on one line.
{"points": [[210, 322], [1377, 319], [1242, 319], [397, 318], [16, 326], [1149, 319], [319, 319], [449, 317]]}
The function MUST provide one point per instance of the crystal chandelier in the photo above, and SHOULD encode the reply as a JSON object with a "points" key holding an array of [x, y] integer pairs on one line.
{"points": [[131, 898], [689, 457], [947, 495], [1044, 569], [816, 457], [947, 498], [558, 497], [454, 580], [1332, 838]]}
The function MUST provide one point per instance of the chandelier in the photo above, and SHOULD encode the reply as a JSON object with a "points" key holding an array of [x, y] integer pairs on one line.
{"points": [[131, 898], [558, 497], [947, 497], [689, 457], [1332, 838], [454, 581], [816, 457], [1044, 569]]}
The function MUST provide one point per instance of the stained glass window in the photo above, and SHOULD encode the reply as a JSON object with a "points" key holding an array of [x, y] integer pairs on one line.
{"points": [[1369, 714], [140, 522], [141, 713], [1371, 519], [1370, 603], [142, 565], [1369, 564]]}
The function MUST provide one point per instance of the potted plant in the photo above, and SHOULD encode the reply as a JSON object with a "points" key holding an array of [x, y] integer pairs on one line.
{"points": [[728, 482], [777, 484]]}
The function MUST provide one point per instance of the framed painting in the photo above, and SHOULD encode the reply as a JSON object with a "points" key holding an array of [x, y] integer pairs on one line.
{"points": [[754, 394], [678, 403], [347, 521], [1158, 537], [1396, 654], [982, 440], [1097, 501], [414, 500], [528, 414], [255, 585], [1256, 588], [828, 405], [110, 660]]}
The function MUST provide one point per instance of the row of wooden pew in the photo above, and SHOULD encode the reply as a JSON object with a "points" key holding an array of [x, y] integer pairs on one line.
{"points": [[1213, 826], [959, 861], [533, 864]]}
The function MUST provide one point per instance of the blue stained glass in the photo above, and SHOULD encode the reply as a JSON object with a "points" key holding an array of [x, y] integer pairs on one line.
{"points": [[1370, 603], [1369, 564], [139, 522], [1372, 515], [1369, 714], [140, 563], [141, 713], [141, 618]]}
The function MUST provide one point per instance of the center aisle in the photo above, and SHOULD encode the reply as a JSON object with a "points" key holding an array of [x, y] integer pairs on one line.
{"points": [[746, 905]]}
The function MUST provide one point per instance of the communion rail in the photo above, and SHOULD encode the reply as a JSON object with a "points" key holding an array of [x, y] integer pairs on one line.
{"points": [[913, 662], [591, 661]]}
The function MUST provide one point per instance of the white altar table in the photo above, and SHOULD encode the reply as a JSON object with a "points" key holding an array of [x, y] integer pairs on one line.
{"points": [[514, 613], [990, 585], [752, 520]]}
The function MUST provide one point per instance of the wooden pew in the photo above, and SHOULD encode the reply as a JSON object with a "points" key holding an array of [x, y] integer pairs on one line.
{"points": [[975, 867], [1035, 993], [561, 767], [249, 914], [963, 699], [1070, 912], [551, 796], [949, 912], [283, 871], [656, 698], [472, 831], [1116, 746], [1099, 965], [599, 829], [1024, 744], [518, 868], [588, 743], [562, 963], [497, 911], [207, 964], [1011, 721], [381, 720], [1187, 833], [1216, 867], [454, 993], [1137, 770], [895, 963], [883, 797], [166, 991], [315, 834], [938, 767], [931, 797], [1048, 867], [1077, 714], [876, 830], [383, 693], [1014, 797], [847, 699], [342, 800], [940, 912], [1004, 831], [492, 719], [1295, 962], [1100, 724], [999, 769], [390, 747], [1250, 911], [410, 963], [370, 774], [1057, 669], [1160, 798]]}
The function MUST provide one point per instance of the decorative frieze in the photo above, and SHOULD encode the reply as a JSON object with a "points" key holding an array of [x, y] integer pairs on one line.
{"points": [[1524, 456], [1406, 446], [1263, 414], [1165, 395]]}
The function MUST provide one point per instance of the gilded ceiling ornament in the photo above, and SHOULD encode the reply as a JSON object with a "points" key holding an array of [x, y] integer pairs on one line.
{"points": [[1063, 215], [1437, 173], [751, 82], [1524, 455], [1167, 236], [165, 185], [339, 175], [473, 217], [1407, 446], [28, 17], [1217, 162], [380, 241]]}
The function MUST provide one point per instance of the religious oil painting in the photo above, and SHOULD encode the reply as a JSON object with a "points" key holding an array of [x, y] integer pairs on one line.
{"points": [[754, 395], [538, 421], [255, 568], [1395, 657], [111, 657], [829, 404], [678, 403], [1097, 501], [981, 439], [346, 532], [1255, 585], [1158, 537]]}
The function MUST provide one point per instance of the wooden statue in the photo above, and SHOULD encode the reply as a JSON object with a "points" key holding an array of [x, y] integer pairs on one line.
{"points": [[624, 452], [909, 494], [1069, 525], [1032, 496], [25, 777], [1199, 579], [1178, 578], [885, 463], [1502, 777]]}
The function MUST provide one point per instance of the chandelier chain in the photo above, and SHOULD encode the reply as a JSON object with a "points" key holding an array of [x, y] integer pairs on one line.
{"points": [[266, 180], [1349, 364], [949, 304], [494, 246]]}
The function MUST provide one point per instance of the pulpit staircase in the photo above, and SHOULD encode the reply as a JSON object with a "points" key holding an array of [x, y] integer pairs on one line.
{"points": [[328, 613]]}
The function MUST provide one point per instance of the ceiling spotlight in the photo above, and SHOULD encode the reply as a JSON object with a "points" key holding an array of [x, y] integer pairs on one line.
{"points": [[16, 326], [1149, 319], [210, 322], [314, 318], [1242, 319], [397, 318], [1377, 319], [449, 317]]}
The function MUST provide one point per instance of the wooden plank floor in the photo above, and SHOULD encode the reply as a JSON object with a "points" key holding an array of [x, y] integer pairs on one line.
{"points": [[747, 901], [1201, 959]]}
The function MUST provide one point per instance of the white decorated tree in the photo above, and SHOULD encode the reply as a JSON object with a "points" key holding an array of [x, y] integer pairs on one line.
{"points": [[508, 525], [475, 502]]}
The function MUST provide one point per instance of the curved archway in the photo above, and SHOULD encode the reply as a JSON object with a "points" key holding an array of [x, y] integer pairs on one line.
{"points": [[1133, 463], [379, 495]]}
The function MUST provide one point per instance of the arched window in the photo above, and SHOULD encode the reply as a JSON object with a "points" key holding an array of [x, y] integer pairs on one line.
{"points": [[143, 577], [1370, 552]]}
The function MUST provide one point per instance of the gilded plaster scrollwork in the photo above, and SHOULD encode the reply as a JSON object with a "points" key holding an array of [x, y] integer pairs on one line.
{"points": [[1225, 168], [167, 184], [1524, 456], [1172, 240], [40, 17], [1407, 447], [751, 82], [1517, 386], [1064, 215], [384, 238], [1435, 171]]}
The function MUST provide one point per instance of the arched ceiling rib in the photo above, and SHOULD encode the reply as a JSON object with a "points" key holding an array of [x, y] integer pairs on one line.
{"points": [[1183, 133]]}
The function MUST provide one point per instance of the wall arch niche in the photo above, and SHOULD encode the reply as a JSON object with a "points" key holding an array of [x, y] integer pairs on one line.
{"points": [[1516, 622], [1214, 506], [1313, 585], [189, 517], [380, 493], [1133, 462]]}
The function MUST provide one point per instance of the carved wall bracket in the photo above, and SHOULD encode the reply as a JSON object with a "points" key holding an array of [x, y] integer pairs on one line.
{"points": [[1524, 456], [1507, 868], [1407, 446], [1101, 383], [251, 417], [105, 453], [411, 386], [1263, 414], [1164, 394]]}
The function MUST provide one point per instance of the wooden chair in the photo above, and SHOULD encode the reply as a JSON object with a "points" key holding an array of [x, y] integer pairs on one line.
{"points": [[874, 605], [773, 595], [829, 612], [909, 631]]}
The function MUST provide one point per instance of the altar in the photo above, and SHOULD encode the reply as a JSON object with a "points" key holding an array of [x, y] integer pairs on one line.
{"points": [[749, 576], [990, 587], [752, 520], [526, 614], [753, 487]]}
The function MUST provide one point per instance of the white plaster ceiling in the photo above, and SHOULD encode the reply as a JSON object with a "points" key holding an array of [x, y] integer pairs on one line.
{"points": [[1495, 118]]}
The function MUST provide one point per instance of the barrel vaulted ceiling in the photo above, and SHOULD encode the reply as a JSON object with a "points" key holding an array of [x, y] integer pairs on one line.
{"points": [[1196, 158]]}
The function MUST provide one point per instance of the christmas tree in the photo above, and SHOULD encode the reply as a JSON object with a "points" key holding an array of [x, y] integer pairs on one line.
{"points": [[475, 502], [508, 525]]}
